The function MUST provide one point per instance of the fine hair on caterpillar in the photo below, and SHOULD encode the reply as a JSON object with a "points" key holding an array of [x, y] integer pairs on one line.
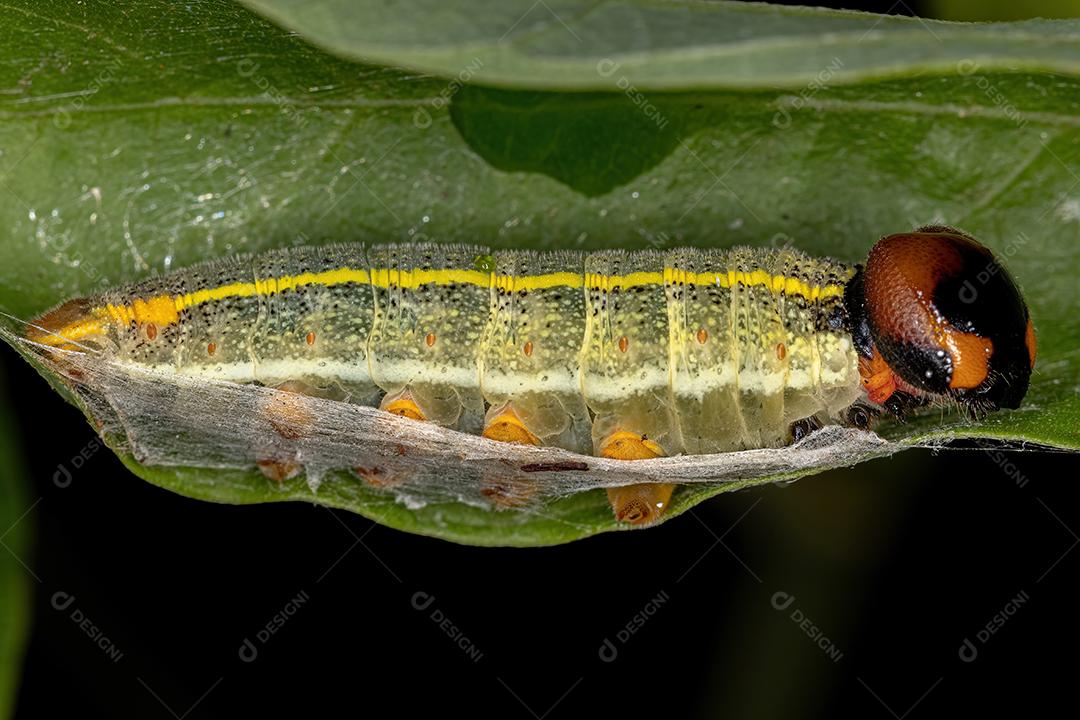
{"points": [[508, 378]]}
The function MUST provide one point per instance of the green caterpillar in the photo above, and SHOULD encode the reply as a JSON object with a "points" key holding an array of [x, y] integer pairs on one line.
{"points": [[625, 355]]}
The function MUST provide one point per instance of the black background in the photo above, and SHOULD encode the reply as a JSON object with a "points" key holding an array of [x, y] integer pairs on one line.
{"points": [[897, 562]]}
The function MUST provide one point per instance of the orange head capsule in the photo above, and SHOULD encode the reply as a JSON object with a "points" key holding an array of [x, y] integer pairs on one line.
{"points": [[934, 314]]}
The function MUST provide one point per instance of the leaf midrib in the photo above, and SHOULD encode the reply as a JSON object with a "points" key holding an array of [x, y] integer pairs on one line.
{"points": [[782, 100]]}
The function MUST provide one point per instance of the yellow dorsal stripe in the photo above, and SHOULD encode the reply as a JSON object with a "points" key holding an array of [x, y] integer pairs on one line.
{"points": [[514, 283], [164, 310], [415, 278], [596, 281]]}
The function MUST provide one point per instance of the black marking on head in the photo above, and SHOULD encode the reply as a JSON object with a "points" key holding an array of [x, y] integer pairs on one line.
{"points": [[857, 321], [925, 367], [983, 300]]}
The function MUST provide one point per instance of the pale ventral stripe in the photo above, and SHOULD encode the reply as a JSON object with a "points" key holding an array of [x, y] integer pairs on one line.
{"points": [[560, 382]]}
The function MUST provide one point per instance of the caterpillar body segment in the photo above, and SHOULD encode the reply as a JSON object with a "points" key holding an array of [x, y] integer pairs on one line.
{"points": [[745, 347], [624, 357], [627, 355], [297, 315], [303, 329], [426, 335], [531, 351]]}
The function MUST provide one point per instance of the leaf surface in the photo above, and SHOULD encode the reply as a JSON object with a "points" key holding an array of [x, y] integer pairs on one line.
{"points": [[136, 138]]}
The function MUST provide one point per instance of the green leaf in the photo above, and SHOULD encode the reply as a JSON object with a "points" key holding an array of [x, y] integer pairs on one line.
{"points": [[14, 547], [147, 136], [674, 45]]}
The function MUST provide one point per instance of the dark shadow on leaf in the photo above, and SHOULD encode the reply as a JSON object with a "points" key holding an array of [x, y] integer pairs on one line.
{"points": [[593, 142]]}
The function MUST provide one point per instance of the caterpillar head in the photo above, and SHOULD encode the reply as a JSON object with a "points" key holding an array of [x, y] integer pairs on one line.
{"points": [[935, 315]]}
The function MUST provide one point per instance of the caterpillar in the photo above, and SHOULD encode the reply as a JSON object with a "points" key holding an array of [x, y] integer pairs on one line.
{"points": [[615, 355]]}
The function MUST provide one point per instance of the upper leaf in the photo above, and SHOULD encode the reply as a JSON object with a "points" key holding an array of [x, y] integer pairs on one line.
{"points": [[680, 45]]}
